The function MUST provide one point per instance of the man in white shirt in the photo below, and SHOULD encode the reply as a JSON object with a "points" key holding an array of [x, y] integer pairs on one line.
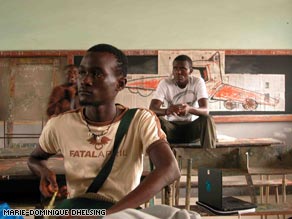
{"points": [[186, 117]]}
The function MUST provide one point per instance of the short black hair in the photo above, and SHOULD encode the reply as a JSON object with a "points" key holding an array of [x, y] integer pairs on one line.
{"points": [[70, 66], [184, 58], [120, 56]]}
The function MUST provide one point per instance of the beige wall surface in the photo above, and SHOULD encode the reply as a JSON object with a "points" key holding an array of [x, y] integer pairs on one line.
{"points": [[151, 24]]}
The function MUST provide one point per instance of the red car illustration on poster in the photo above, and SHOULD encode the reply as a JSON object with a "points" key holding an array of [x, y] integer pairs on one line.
{"points": [[232, 96]]}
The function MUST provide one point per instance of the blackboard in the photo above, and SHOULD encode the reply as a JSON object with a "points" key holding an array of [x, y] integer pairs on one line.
{"points": [[25, 86], [32, 89], [136, 64]]}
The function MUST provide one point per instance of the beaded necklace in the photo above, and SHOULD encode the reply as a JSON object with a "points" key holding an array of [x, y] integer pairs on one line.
{"points": [[99, 138]]}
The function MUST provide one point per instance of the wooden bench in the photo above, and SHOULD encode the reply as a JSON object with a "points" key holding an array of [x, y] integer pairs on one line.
{"points": [[240, 158], [264, 182], [235, 142]]}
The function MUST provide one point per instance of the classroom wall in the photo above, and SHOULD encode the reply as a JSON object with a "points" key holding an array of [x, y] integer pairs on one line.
{"points": [[151, 24]]}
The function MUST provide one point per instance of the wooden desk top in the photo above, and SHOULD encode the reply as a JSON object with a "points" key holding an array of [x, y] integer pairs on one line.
{"points": [[249, 142], [276, 159], [17, 168], [269, 171], [225, 172], [239, 142]]}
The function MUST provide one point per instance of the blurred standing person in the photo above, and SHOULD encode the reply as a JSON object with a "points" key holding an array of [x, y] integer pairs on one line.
{"points": [[65, 96]]}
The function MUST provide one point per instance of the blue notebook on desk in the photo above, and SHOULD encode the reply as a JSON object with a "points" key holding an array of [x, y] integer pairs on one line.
{"points": [[211, 194]]}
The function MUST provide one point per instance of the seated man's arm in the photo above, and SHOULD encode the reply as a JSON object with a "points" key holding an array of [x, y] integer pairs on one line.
{"points": [[57, 101], [165, 172], [155, 106], [37, 164], [201, 111]]}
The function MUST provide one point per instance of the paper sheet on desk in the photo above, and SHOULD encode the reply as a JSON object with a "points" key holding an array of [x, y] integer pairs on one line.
{"points": [[225, 138]]}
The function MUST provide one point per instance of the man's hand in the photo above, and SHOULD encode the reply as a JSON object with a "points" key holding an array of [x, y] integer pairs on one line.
{"points": [[184, 109], [178, 109], [48, 185]]}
